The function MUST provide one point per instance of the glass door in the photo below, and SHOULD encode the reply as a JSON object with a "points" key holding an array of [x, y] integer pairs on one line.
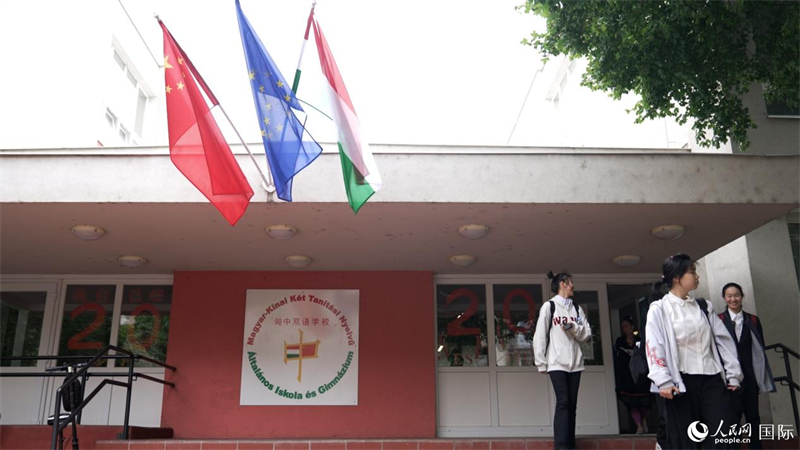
{"points": [[597, 406], [487, 383], [26, 322]]}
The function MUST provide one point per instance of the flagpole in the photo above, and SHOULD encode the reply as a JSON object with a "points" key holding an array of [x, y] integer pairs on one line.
{"points": [[269, 186], [296, 82], [300, 366]]}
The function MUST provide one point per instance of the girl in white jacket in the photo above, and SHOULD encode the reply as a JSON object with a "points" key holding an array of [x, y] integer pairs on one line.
{"points": [[557, 352], [692, 359]]}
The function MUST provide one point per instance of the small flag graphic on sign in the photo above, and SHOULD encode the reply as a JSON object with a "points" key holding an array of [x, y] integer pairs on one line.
{"points": [[300, 351]]}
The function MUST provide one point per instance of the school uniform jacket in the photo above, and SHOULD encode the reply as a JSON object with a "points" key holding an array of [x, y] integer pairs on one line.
{"points": [[755, 363], [662, 349]]}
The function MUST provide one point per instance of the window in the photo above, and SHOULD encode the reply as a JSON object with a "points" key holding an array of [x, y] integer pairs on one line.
{"points": [[21, 318], [779, 109], [111, 119], [119, 61], [593, 348], [126, 96], [461, 325], [86, 324], [464, 337], [144, 322], [124, 134], [515, 312]]}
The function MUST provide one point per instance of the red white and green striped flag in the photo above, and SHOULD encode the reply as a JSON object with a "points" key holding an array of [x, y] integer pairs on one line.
{"points": [[292, 351], [361, 176]]}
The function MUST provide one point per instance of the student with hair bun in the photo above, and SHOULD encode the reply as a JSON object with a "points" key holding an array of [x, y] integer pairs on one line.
{"points": [[691, 357], [561, 326], [746, 330]]}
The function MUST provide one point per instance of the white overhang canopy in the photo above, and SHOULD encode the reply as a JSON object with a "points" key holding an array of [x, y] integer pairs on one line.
{"points": [[573, 210]]}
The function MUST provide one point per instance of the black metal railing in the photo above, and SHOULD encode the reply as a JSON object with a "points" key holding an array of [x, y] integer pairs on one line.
{"points": [[81, 375], [788, 380]]}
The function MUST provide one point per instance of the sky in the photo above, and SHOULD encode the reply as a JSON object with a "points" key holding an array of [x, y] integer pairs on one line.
{"points": [[418, 71]]}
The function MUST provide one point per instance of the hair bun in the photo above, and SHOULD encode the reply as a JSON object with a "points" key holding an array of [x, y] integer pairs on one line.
{"points": [[550, 275]]}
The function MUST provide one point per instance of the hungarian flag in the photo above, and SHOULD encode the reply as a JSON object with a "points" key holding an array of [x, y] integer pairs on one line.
{"points": [[308, 351], [361, 177], [305, 350], [196, 145]]}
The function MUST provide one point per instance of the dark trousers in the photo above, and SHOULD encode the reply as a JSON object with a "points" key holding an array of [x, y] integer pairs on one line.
{"points": [[661, 434], [707, 400], [746, 402], [565, 385]]}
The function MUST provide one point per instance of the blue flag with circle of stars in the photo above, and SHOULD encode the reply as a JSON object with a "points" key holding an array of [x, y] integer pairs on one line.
{"points": [[281, 130]]}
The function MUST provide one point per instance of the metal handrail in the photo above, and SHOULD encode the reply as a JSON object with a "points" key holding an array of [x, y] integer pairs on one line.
{"points": [[83, 372], [784, 348], [788, 380]]}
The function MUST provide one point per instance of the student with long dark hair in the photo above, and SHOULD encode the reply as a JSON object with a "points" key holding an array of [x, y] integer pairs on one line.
{"points": [[691, 357], [746, 330], [561, 326]]}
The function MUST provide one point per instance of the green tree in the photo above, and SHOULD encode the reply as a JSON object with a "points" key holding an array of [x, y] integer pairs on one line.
{"points": [[685, 59]]}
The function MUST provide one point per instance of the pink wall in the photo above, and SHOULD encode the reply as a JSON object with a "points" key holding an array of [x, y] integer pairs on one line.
{"points": [[396, 380]]}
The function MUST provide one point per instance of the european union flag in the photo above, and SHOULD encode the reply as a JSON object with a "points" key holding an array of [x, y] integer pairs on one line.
{"points": [[281, 130]]}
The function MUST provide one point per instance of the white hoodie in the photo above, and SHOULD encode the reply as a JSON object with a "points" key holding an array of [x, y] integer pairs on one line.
{"points": [[564, 352]]}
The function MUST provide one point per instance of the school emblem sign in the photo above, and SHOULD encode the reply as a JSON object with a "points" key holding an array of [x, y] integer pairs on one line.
{"points": [[300, 348]]}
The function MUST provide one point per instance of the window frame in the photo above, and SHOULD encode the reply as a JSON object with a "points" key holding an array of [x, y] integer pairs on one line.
{"points": [[48, 337], [138, 88], [120, 281]]}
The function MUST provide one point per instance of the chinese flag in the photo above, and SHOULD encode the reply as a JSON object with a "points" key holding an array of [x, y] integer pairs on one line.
{"points": [[196, 145]]}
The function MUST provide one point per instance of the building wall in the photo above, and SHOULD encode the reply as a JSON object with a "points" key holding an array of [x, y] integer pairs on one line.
{"points": [[762, 263], [775, 287], [773, 136], [397, 393]]}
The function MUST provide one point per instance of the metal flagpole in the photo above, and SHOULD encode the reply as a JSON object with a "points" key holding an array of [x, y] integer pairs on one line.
{"points": [[269, 186], [296, 82]]}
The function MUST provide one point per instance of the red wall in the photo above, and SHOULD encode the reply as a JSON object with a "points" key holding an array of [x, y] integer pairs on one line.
{"points": [[396, 380]]}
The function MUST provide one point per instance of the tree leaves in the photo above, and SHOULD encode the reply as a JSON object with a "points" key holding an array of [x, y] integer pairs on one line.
{"points": [[684, 59]]}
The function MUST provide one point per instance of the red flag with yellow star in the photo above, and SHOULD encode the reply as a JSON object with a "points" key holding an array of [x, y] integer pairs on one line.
{"points": [[196, 145]]}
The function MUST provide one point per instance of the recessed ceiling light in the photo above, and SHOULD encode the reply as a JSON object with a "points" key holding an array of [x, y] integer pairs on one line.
{"points": [[473, 231], [88, 232], [281, 232], [463, 260], [668, 232], [132, 261], [298, 261], [627, 260]]}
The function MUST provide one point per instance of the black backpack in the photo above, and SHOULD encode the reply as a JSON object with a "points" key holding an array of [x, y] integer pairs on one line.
{"points": [[550, 325], [638, 363]]}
